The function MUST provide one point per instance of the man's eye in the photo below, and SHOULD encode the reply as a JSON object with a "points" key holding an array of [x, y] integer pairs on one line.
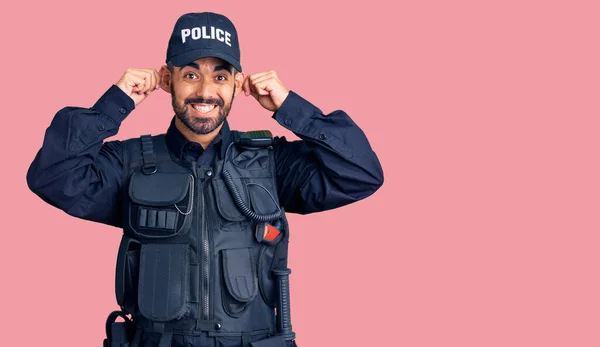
{"points": [[221, 78], [190, 76]]}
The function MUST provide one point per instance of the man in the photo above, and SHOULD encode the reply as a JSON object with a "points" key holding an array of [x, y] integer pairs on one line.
{"points": [[203, 258]]}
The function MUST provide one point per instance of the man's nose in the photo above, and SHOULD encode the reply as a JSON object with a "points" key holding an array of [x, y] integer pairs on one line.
{"points": [[206, 90]]}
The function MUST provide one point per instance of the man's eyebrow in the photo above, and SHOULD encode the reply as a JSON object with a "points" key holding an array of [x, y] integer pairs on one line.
{"points": [[194, 65], [226, 67]]}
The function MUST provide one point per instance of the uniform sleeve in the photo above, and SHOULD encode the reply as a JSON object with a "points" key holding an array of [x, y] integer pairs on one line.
{"points": [[331, 166], [75, 170]]}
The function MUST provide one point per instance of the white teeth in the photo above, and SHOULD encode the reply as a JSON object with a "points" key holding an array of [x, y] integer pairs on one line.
{"points": [[204, 109]]}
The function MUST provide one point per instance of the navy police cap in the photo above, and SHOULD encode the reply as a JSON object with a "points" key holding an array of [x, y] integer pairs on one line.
{"points": [[200, 35]]}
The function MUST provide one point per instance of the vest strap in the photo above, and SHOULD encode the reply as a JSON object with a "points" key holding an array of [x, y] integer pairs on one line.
{"points": [[179, 326], [165, 339], [274, 341], [246, 339], [148, 155], [137, 338]]}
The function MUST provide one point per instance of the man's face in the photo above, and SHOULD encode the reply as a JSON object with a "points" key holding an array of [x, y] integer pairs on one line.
{"points": [[202, 93]]}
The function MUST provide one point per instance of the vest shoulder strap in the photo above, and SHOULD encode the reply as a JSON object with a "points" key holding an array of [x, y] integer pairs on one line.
{"points": [[145, 151]]}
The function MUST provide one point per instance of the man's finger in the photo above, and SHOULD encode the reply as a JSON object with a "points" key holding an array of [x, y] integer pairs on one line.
{"points": [[147, 75], [262, 79], [263, 88], [252, 91], [150, 80], [147, 81], [140, 80], [157, 76], [246, 85], [153, 81], [136, 83], [258, 75]]}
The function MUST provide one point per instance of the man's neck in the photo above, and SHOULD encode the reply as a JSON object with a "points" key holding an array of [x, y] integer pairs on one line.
{"points": [[203, 140]]}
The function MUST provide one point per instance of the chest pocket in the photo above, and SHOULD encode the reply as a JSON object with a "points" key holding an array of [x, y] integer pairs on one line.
{"points": [[160, 204], [255, 194], [230, 217]]}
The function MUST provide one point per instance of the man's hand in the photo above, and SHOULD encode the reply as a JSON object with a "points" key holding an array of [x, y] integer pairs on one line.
{"points": [[139, 83], [267, 89]]}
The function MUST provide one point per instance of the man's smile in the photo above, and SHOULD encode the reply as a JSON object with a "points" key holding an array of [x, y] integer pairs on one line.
{"points": [[203, 109]]}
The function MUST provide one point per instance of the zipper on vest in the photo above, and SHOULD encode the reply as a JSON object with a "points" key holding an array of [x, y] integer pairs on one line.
{"points": [[206, 260], [204, 248], [199, 191]]}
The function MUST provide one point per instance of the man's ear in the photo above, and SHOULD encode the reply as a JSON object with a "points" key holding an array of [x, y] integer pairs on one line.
{"points": [[239, 81], [165, 78]]}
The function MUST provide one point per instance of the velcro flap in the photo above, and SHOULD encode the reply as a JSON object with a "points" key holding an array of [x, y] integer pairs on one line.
{"points": [[225, 203], [163, 287], [160, 188], [263, 200], [240, 274]]}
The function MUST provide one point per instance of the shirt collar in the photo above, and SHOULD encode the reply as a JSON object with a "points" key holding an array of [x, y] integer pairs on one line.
{"points": [[176, 142]]}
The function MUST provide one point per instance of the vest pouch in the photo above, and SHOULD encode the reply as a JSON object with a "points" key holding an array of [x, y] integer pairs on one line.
{"points": [[240, 283], [231, 218], [257, 193], [160, 204], [163, 292], [126, 282], [262, 195]]}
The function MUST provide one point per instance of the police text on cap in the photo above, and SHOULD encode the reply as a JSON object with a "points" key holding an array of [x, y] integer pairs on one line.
{"points": [[201, 33]]}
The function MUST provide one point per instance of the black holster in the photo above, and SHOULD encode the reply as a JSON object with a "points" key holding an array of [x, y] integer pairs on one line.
{"points": [[118, 334]]}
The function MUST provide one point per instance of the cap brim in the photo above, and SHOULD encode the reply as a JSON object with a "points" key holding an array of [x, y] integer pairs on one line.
{"points": [[189, 56]]}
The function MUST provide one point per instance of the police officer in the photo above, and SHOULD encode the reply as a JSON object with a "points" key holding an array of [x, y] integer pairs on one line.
{"points": [[203, 257]]}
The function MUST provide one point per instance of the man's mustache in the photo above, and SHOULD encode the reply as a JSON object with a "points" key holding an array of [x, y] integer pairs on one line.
{"points": [[209, 101]]}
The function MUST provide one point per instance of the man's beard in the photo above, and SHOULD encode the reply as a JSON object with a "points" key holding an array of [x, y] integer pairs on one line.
{"points": [[200, 125]]}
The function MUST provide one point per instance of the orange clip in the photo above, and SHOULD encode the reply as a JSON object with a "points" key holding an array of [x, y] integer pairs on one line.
{"points": [[265, 232], [271, 233]]}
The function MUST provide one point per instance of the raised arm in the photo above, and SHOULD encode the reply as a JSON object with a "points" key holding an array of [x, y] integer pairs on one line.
{"points": [[76, 170], [333, 165]]}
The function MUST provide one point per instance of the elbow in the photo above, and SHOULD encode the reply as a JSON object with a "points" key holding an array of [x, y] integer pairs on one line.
{"points": [[36, 181], [378, 178], [35, 184], [380, 182], [367, 185], [32, 179], [45, 190], [376, 182]]}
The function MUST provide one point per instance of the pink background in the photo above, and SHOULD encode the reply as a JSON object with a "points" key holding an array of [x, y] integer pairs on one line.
{"points": [[484, 115]]}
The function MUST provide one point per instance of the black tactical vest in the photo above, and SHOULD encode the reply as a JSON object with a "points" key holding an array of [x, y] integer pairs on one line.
{"points": [[191, 258]]}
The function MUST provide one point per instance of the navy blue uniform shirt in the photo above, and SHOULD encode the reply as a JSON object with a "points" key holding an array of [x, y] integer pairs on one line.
{"points": [[77, 171]]}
